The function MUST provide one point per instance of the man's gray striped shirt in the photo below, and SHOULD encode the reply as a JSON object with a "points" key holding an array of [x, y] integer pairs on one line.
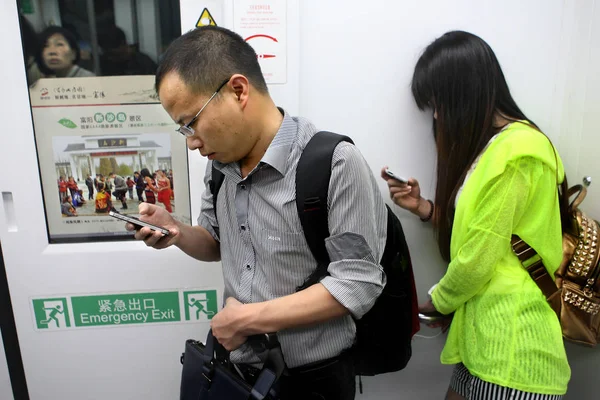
{"points": [[264, 252]]}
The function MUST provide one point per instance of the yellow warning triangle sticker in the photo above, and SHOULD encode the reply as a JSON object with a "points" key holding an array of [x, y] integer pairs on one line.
{"points": [[205, 19]]}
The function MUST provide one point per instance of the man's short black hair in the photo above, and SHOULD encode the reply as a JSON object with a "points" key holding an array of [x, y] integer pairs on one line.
{"points": [[206, 56]]}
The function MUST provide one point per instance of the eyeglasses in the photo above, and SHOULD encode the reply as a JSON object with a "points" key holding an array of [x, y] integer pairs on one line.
{"points": [[187, 130]]}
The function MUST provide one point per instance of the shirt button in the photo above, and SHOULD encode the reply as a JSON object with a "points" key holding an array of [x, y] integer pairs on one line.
{"points": [[243, 227], [248, 267]]}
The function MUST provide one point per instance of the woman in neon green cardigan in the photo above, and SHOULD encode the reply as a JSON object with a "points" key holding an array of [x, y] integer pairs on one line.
{"points": [[497, 175]]}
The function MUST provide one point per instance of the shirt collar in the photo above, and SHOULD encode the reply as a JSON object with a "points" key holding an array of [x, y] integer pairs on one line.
{"points": [[277, 153], [279, 150]]}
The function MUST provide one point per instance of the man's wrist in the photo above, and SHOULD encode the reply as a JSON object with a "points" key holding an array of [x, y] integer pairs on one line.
{"points": [[249, 323], [181, 227]]}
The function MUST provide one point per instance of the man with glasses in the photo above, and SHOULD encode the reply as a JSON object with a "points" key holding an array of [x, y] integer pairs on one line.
{"points": [[210, 83]]}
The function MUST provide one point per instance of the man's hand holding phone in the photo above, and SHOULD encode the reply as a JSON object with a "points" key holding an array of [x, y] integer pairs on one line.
{"points": [[158, 229], [156, 216]]}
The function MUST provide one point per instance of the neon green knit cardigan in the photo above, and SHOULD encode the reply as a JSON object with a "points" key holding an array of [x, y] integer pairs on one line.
{"points": [[503, 330]]}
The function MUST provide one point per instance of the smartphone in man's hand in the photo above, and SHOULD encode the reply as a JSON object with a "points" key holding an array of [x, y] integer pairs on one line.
{"points": [[138, 223]]}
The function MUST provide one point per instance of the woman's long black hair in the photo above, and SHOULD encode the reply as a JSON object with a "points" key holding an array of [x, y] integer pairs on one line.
{"points": [[459, 76]]}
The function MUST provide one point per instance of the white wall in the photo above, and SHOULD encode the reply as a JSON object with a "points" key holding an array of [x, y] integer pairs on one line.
{"points": [[578, 108], [578, 96]]}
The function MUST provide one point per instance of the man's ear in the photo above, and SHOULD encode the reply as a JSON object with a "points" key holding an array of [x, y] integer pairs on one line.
{"points": [[241, 87]]}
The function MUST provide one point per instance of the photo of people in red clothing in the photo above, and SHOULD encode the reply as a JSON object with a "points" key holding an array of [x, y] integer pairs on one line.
{"points": [[107, 170]]}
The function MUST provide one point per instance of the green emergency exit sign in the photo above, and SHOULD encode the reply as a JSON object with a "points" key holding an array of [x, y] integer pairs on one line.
{"points": [[117, 309], [136, 308]]}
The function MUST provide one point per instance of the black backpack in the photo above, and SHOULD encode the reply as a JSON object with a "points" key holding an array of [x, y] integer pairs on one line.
{"points": [[384, 333]]}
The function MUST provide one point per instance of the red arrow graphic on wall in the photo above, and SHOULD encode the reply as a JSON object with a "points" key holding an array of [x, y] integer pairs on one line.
{"points": [[263, 36]]}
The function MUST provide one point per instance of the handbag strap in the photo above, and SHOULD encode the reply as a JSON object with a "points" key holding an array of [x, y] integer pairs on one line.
{"points": [[533, 264], [580, 191], [268, 348], [274, 364]]}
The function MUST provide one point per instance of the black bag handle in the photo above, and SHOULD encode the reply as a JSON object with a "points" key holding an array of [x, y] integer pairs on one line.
{"points": [[274, 364], [273, 368]]}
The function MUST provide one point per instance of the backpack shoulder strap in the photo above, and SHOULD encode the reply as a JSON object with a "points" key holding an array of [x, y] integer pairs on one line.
{"points": [[312, 184], [215, 183]]}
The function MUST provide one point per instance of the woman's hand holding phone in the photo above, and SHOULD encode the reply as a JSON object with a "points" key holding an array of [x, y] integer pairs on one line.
{"points": [[431, 317], [405, 194]]}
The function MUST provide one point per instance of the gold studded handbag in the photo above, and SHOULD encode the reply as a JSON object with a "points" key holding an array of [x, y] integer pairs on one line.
{"points": [[574, 292]]}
